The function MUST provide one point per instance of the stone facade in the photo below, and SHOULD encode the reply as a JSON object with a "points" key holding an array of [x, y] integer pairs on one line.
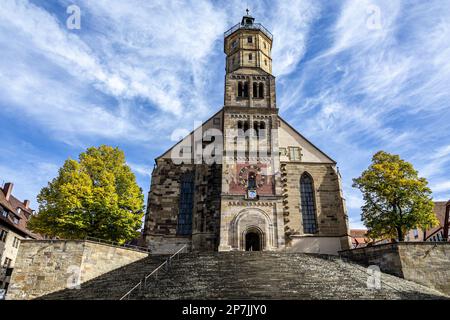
{"points": [[47, 266], [422, 262], [14, 216], [249, 197]]}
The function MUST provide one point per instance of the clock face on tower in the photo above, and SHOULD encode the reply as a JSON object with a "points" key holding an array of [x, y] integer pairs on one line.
{"points": [[252, 194]]}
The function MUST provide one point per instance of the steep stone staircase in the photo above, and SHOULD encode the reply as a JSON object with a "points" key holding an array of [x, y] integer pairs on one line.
{"points": [[111, 285], [247, 275], [264, 275]]}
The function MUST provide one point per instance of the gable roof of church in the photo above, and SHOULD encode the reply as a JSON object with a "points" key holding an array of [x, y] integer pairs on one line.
{"points": [[190, 134], [279, 117], [308, 141]]}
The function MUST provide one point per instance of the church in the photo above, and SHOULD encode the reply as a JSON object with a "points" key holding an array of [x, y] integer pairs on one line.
{"points": [[246, 180]]}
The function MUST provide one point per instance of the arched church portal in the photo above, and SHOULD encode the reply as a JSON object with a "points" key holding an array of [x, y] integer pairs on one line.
{"points": [[253, 240]]}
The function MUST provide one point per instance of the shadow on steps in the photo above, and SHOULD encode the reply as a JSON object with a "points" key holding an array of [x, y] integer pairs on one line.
{"points": [[111, 285]]}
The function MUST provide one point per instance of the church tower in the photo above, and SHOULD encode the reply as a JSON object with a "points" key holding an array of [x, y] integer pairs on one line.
{"points": [[251, 206]]}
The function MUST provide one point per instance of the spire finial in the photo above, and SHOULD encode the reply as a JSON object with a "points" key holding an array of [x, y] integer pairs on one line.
{"points": [[247, 11]]}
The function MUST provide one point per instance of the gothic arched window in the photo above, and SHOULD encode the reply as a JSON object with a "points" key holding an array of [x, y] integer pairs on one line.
{"points": [[308, 204], [261, 90], [186, 204]]}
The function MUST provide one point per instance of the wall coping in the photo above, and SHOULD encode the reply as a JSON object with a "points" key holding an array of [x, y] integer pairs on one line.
{"points": [[85, 241], [396, 244]]}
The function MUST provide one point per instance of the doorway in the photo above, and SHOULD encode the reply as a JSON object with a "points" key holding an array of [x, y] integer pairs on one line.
{"points": [[252, 241]]}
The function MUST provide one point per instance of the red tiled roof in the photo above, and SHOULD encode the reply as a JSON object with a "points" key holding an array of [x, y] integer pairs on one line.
{"points": [[11, 206], [358, 233], [439, 211]]}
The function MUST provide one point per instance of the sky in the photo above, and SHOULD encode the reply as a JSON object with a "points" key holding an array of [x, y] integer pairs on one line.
{"points": [[354, 77]]}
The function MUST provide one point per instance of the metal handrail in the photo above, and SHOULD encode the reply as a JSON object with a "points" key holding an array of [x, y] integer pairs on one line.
{"points": [[257, 26], [115, 243], [154, 272]]}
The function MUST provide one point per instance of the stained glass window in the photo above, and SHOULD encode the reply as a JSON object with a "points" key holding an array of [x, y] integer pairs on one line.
{"points": [[186, 204], [308, 204]]}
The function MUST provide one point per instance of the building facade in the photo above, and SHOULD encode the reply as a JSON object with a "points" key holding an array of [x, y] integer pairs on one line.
{"points": [[14, 215], [245, 179], [437, 233]]}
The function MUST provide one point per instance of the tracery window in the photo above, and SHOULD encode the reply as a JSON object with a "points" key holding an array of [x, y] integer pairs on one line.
{"points": [[186, 204], [308, 205]]}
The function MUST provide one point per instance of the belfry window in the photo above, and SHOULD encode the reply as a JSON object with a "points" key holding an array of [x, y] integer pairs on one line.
{"points": [[186, 204], [308, 205], [250, 56], [246, 125], [245, 89], [262, 128], [261, 90], [250, 39], [255, 89]]}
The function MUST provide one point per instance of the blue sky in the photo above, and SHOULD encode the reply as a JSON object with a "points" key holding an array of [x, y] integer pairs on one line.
{"points": [[354, 77]]}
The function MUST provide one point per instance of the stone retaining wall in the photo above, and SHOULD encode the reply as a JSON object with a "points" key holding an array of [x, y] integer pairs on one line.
{"points": [[47, 266], [427, 263]]}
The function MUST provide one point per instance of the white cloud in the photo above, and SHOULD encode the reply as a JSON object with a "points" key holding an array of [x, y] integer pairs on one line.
{"points": [[141, 169], [139, 70], [443, 186]]}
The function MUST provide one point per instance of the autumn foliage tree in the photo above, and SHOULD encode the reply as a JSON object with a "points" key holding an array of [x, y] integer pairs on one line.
{"points": [[396, 199], [95, 196]]}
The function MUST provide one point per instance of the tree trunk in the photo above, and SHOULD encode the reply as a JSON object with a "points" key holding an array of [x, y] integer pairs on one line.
{"points": [[400, 234]]}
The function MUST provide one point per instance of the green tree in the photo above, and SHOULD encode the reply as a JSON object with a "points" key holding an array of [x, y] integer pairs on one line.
{"points": [[396, 200], [96, 196]]}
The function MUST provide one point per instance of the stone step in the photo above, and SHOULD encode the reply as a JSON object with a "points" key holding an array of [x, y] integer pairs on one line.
{"points": [[261, 275], [112, 285]]}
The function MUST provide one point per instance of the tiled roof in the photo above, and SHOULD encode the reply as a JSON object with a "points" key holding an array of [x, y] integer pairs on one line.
{"points": [[11, 206], [358, 233], [439, 211]]}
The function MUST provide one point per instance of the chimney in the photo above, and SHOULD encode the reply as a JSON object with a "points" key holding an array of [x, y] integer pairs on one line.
{"points": [[26, 203], [7, 190]]}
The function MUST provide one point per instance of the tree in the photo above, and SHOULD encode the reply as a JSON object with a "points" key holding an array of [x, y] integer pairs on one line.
{"points": [[396, 200], [96, 196]]}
